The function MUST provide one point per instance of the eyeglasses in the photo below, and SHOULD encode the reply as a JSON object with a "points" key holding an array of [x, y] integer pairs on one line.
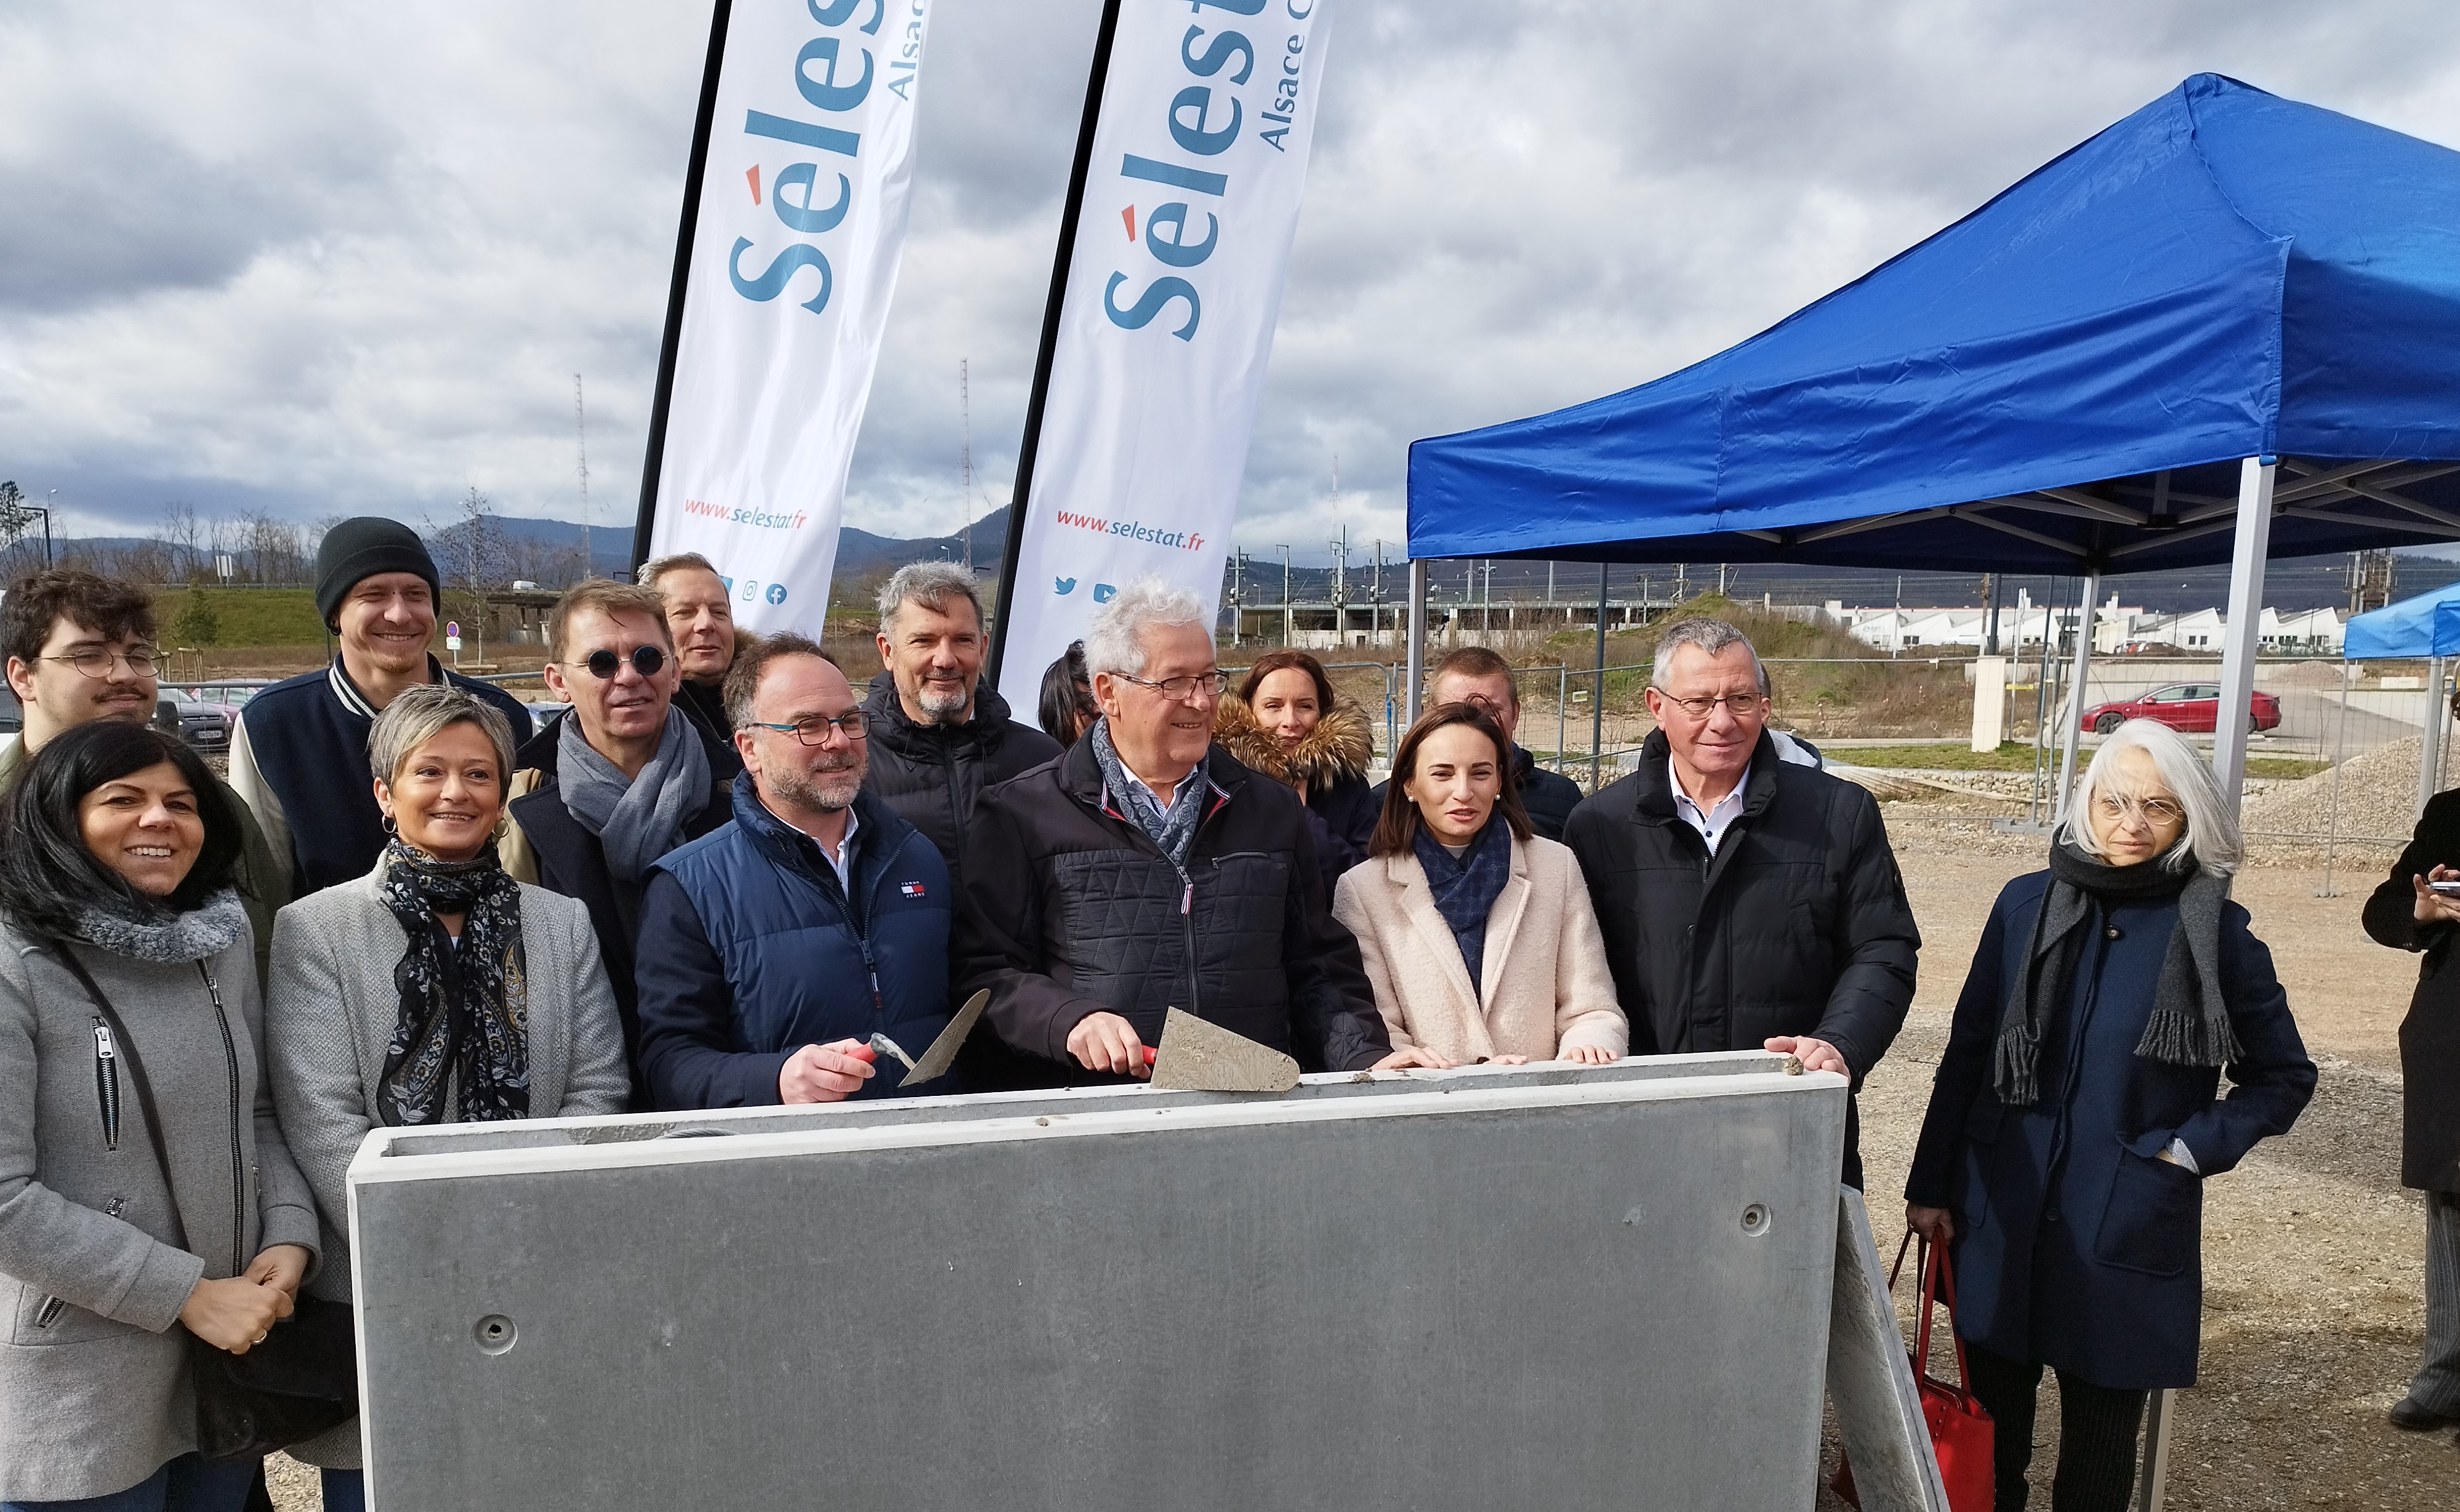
{"points": [[2160, 812], [813, 730], [1182, 689], [646, 660], [95, 661], [1742, 705]]}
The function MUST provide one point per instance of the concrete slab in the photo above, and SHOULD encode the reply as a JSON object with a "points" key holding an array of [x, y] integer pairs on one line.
{"points": [[1532, 1287]]}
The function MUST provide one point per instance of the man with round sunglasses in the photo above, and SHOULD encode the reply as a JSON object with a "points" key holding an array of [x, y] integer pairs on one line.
{"points": [[80, 647], [621, 779], [1748, 901]]}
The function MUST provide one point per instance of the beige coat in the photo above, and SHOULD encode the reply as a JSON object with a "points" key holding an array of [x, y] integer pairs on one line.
{"points": [[1545, 977]]}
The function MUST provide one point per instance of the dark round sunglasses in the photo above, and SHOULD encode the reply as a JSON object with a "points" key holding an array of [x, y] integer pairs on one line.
{"points": [[646, 660]]}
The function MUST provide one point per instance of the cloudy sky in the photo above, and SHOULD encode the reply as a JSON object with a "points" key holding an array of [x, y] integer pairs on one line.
{"points": [[346, 257]]}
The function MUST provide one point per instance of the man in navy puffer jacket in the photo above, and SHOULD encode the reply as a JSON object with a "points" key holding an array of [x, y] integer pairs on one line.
{"points": [[774, 946]]}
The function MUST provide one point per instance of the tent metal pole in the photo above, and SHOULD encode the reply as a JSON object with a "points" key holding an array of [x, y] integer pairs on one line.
{"points": [[2074, 715], [2429, 750], [1414, 696], [1598, 695], [2243, 635]]}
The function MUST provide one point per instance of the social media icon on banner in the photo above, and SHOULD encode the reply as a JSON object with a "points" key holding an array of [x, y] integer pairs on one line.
{"points": [[776, 593], [725, 583], [1063, 586], [1104, 593]]}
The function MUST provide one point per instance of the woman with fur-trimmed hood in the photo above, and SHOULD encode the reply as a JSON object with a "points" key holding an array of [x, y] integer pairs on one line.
{"points": [[1287, 723]]}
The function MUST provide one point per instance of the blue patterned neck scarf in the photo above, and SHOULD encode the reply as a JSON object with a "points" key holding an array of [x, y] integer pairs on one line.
{"points": [[1173, 832], [1466, 889]]}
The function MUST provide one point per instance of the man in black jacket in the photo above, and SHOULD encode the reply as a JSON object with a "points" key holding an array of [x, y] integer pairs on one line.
{"points": [[1746, 900], [1145, 870], [608, 788], [938, 738]]}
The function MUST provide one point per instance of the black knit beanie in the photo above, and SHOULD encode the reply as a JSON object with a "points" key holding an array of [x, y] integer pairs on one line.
{"points": [[362, 547]]}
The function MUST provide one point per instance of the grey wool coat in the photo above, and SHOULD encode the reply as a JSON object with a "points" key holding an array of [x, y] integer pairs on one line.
{"points": [[93, 1376], [331, 1007]]}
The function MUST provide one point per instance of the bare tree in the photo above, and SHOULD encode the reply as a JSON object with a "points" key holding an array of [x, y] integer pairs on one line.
{"points": [[182, 536]]}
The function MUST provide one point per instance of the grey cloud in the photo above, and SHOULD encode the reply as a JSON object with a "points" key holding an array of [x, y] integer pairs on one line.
{"points": [[405, 232]]}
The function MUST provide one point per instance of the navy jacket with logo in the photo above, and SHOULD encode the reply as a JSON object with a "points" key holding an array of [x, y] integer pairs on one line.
{"points": [[750, 949]]}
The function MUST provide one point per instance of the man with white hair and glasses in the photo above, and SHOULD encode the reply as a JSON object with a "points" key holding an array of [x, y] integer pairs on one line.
{"points": [[1748, 901], [1145, 870]]}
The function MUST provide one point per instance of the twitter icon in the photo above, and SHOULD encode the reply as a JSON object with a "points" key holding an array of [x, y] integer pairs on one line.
{"points": [[1064, 586]]}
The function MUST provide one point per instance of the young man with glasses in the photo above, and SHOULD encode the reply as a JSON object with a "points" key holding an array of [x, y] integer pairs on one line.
{"points": [[623, 779], [1748, 901], [774, 946], [1146, 869], [298, 752], [79, 648]]}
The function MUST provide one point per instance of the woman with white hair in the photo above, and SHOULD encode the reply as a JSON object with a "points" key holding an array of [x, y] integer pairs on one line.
{"points": [[2075, 1118], [433, 989]]}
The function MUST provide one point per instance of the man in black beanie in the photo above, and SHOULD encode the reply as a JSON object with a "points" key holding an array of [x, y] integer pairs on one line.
{"points": [[299, 756]]}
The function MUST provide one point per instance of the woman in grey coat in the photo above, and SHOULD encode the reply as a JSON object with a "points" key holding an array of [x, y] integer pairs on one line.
{"points": [[433, 989], [120, 855]]}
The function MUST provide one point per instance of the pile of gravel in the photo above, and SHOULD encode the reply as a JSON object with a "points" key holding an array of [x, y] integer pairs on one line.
{"points": [[2378, 798]]}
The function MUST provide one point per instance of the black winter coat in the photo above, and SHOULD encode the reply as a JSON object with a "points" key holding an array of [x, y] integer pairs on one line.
{"points": [[705, 706], [2430, 1036], [2076, 1245], [564, 857], [1071, 909], [1798, 925], [1549, 796], [934, 775]]}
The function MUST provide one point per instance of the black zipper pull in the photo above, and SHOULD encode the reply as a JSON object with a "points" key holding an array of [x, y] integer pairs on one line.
{"points": [[106, 1082]]}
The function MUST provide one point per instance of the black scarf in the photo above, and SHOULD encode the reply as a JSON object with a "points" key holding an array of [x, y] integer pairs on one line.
{"points": [[1466, 889], [464, 1021], [2190, 1024]]}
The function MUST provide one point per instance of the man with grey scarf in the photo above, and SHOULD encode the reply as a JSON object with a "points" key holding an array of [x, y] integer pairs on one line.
{"points": [[605, 790]]}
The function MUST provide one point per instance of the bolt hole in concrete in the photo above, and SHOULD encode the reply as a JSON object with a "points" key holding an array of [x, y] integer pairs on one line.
{"points": [[1755, 1219], [496, 1333]]}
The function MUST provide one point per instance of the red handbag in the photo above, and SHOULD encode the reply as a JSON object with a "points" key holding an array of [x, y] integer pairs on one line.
{"points": [[1959, 1429]]}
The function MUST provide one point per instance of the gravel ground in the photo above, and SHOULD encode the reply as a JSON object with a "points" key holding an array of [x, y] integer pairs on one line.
{"points": [[2313, 1251]]}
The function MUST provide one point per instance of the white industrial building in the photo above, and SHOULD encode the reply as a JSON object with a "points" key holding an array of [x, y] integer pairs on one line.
{"points": [[1898, 629]]}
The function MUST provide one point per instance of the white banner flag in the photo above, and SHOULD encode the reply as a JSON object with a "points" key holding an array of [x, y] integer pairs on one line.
{"points": [[1182, 240], [794, 257]]}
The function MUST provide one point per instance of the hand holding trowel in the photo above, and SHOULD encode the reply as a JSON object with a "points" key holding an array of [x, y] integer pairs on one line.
{"points": [[943, 1054], [1197, 1056]]}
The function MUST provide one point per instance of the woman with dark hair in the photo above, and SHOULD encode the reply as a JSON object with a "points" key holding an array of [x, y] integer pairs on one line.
{"points": [[433, 989], [2075, 1115], [128, 992], [1286, 721], [1066, 706], [1477, 933]]}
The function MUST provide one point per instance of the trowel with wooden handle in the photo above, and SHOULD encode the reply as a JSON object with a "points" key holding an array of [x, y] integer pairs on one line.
{"points": [[943, 1054], [1197, 1056]]}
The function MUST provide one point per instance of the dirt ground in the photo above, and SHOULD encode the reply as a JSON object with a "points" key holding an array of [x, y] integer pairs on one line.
{"points": [[2313, 1251]]}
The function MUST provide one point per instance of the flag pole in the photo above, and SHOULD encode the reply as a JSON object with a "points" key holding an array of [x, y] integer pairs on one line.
{"points": [[654, 456], [1021, 495]]}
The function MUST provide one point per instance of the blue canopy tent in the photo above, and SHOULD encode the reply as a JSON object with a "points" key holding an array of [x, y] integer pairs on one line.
{"points": [[2426, 626], [2225, 328]]}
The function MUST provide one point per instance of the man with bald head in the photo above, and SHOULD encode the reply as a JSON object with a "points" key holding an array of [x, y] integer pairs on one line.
{"points": [[1748, 901]]}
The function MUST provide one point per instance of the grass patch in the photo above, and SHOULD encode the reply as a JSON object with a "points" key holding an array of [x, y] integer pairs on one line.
{"points": [[2018, 756], [250, 616]]}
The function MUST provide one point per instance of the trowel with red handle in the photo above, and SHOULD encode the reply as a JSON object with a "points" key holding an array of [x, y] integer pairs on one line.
{"points": [[943, 1054], [1197, 1056]]}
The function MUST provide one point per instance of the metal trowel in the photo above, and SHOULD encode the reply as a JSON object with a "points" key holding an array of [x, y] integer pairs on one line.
{"points": [[1197, 1056], [943, 1054]]}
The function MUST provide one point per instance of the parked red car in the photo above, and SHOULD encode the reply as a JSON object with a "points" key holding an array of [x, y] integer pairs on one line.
{"points": [[2188, 706]]}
